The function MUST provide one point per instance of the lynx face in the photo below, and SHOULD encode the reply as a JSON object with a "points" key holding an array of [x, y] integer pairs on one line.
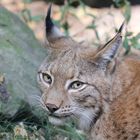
{"points": [[72, 87], [76, 80]]}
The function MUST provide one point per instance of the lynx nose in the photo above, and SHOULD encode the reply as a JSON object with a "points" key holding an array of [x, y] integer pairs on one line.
{"points": [[51, 107]]}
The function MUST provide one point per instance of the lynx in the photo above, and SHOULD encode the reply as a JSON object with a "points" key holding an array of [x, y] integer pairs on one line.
{"points": [[95, 87]]}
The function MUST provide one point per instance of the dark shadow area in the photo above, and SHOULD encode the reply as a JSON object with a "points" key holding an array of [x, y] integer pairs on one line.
{"points": [[91, 3], [24, 114]]}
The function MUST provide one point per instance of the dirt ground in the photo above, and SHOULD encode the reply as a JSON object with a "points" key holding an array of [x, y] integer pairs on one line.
{"points": [[106, 19]]}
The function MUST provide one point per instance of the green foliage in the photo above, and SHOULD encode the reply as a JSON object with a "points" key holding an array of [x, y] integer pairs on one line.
{"points": [[125, 6], [65, 10], [93, 27], [27, 1], [131, 41], [127, 11], [27, 15], [135, 41]]}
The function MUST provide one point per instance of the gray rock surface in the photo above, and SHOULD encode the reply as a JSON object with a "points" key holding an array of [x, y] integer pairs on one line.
{"points": [[20, 56]]}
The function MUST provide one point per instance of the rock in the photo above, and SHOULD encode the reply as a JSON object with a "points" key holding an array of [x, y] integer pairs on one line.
{"points": [[20, 56]]}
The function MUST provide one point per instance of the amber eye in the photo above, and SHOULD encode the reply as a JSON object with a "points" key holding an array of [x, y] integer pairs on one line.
{"points": [[76, 85], [47, 78]]}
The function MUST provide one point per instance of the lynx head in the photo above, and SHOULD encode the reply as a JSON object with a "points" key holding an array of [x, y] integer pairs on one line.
{"points": [[76, 80]]}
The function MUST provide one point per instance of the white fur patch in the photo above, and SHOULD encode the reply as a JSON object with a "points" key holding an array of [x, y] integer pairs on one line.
{"points": [[56, 121], [56, 32], [85, 119]]}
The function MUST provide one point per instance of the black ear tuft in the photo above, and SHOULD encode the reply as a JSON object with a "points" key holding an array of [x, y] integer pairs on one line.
{"points": [[52, 31], [48, 20], [121, 28]]}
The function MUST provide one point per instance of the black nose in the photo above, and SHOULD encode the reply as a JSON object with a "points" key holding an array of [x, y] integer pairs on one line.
{"points": [[52, 108]]}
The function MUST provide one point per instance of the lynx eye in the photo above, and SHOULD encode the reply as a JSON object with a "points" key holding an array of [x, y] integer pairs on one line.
{"points": [[46, 78], [76, 85]]}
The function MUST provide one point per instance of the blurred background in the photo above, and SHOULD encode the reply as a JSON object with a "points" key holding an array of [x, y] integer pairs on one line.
{"points": [[94, 21]]}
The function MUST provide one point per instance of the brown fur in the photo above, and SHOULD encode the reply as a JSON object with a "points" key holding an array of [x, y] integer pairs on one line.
{"points": [[123, 120]]}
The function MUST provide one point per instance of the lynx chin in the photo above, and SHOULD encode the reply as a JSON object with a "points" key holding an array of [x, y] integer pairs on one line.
{"points": [[96, 87]]}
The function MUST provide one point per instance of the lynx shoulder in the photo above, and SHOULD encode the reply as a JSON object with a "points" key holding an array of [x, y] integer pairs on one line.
{"points": [[94, 87]]}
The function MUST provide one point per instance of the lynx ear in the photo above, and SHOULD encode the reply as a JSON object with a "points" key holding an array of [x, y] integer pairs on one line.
{"points": [[52, 31], [109, 51]]}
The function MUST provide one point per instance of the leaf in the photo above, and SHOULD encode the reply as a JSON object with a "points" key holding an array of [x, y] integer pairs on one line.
{"points": [[126, 46], [37, 18], [135, 41], [27, 1], [126, 8], [119, 3], [127, 11], [93, 27], [91, 15], [26, 15]]}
